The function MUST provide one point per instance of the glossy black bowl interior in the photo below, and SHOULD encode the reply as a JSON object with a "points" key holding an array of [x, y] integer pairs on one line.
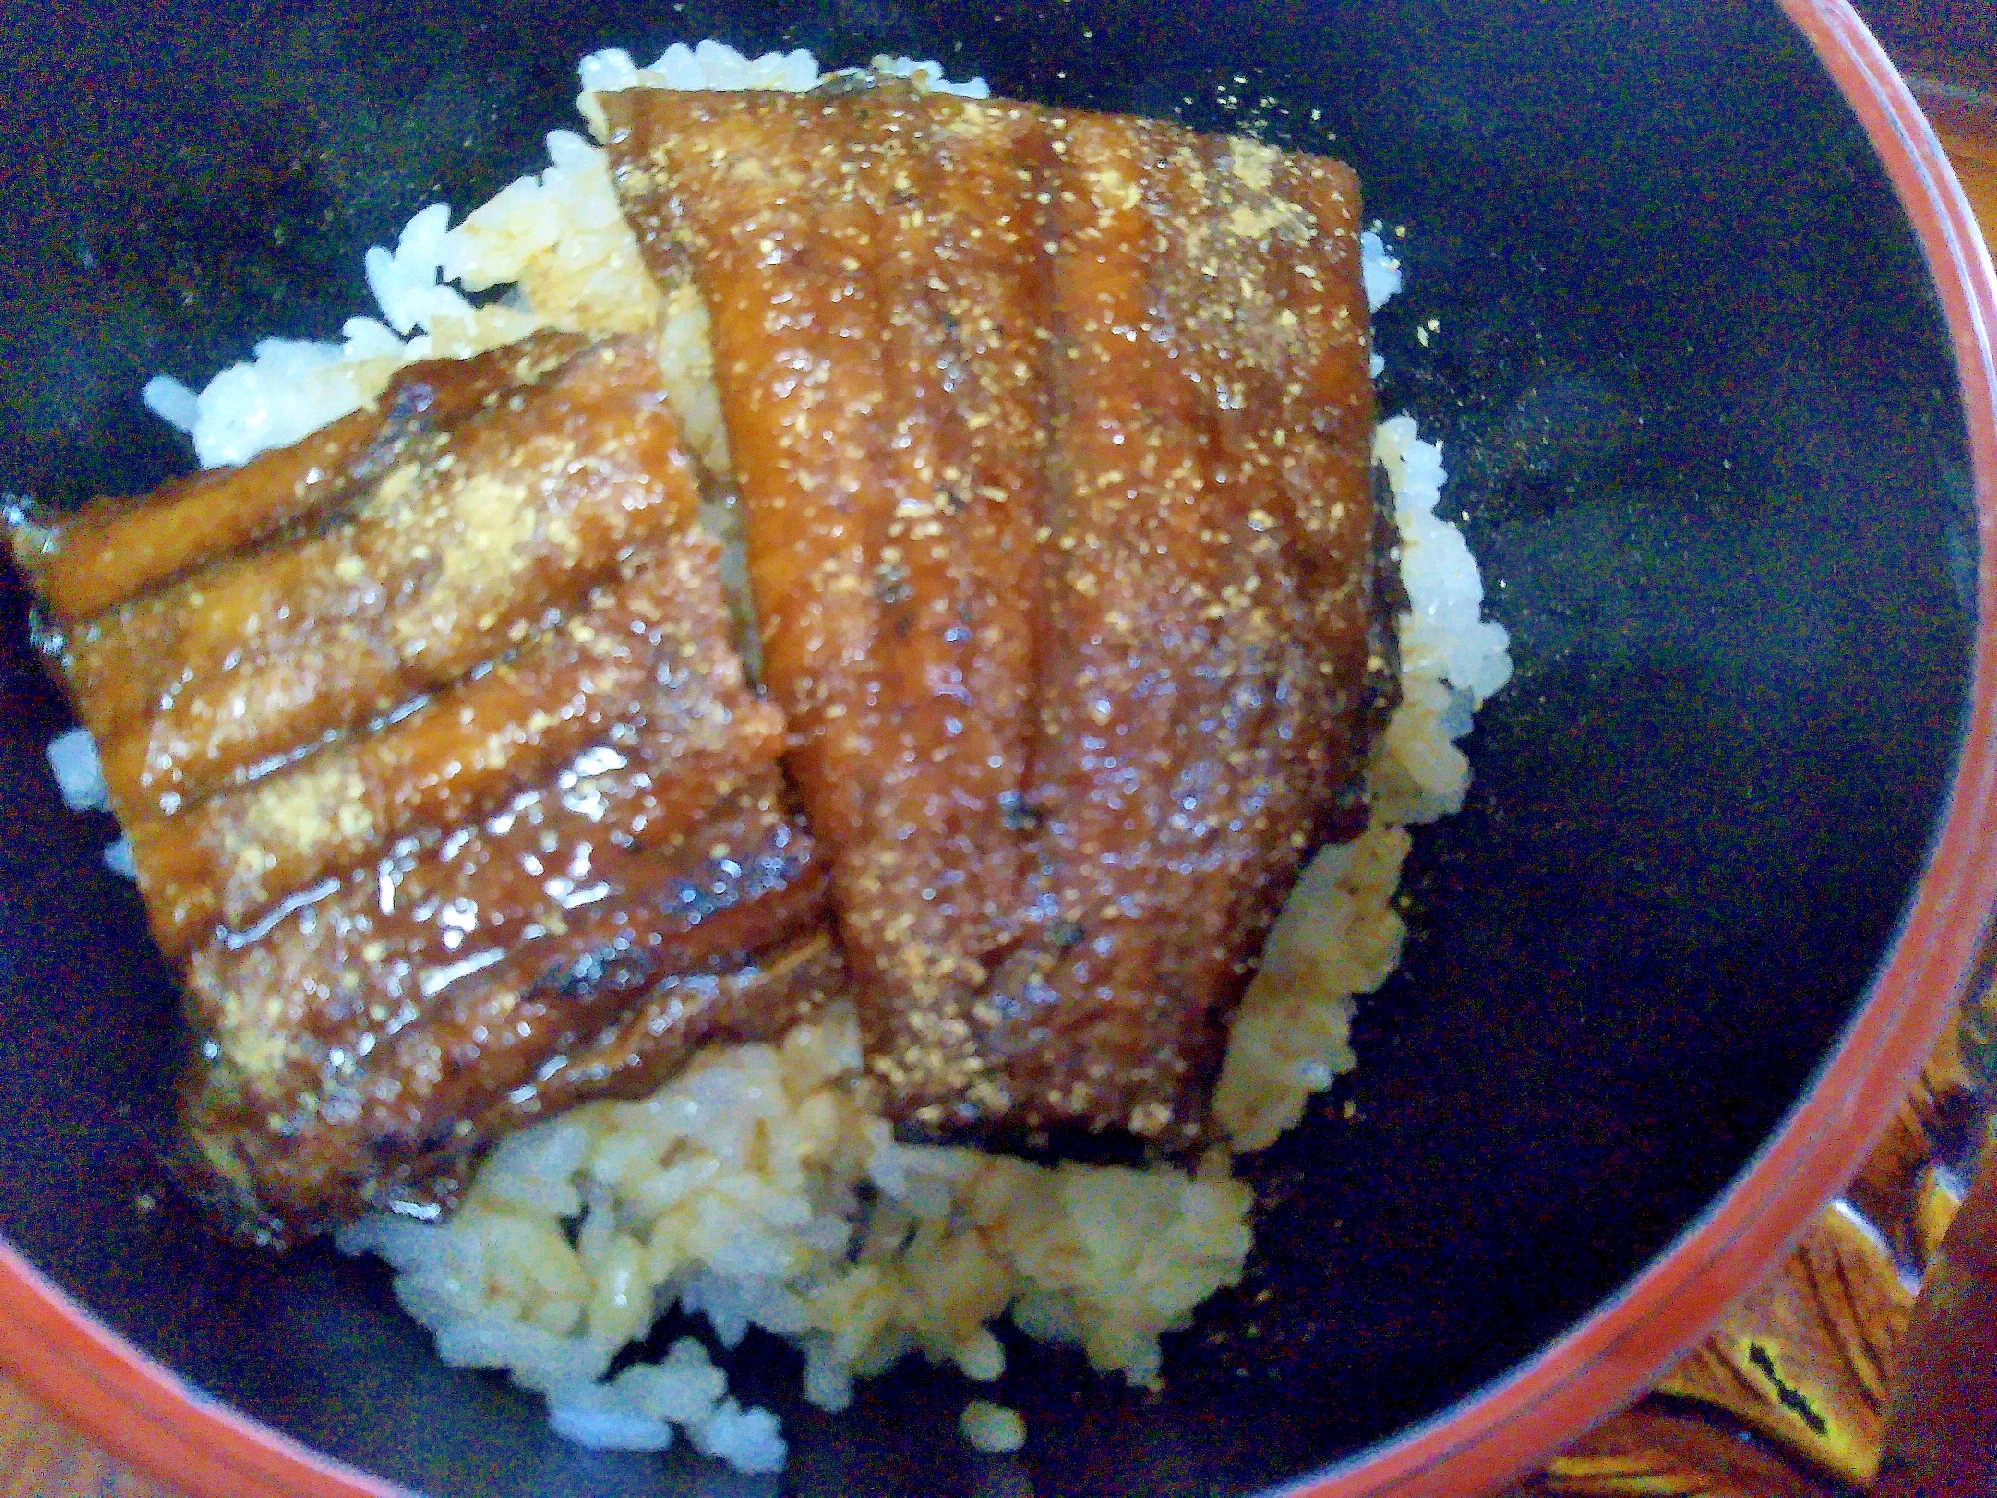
{"points": [[1698, 405]]}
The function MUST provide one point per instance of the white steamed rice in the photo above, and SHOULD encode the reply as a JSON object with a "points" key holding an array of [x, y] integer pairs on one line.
{"points": [[756, 1188]]}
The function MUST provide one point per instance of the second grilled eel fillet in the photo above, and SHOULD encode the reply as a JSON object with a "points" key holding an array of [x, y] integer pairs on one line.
{"points": [[1052, 432], [503, 827]]}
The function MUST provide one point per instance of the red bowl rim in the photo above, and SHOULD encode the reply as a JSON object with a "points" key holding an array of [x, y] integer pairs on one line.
{"points": [[141, 1409]]}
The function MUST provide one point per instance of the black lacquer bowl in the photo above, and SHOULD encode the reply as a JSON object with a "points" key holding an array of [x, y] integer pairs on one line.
{"points": [[1714, 379]]}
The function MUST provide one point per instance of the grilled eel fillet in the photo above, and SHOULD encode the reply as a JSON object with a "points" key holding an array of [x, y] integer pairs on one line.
{"points": [[1053, 434], [447, 797]]}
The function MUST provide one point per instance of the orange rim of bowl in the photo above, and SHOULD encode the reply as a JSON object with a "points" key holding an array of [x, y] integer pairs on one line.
{"points": [[141, 1409]]}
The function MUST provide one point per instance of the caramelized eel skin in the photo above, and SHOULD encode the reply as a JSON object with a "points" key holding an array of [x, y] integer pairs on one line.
{"points": [[1053, 434]]}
